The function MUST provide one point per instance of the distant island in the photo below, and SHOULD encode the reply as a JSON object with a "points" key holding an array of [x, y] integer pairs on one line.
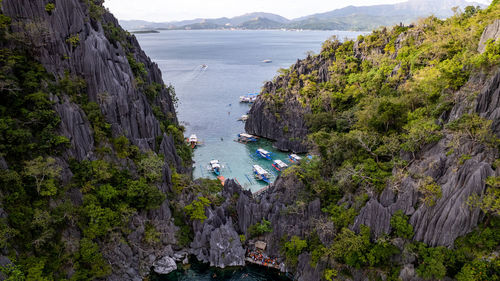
{"points": [[145, 31], [362, 18]]}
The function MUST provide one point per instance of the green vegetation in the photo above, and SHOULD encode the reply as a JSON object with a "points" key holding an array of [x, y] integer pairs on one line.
{"points": [[401, 227], [44, 193], [293, 249], [50, 7], [387, 98], [196, 210], [260, 228]]}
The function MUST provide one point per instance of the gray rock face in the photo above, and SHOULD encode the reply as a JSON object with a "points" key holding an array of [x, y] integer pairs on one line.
{"points": [[216, 240], [76, 127], [492, 31], [164, 265], [278, 115], [110, 83], [288, 131], [450, 216]]}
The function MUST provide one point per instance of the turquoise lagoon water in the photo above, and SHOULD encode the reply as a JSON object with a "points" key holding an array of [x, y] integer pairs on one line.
{"points": [[209, 97]]}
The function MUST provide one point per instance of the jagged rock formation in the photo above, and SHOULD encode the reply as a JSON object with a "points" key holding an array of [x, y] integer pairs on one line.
{"points": [[491, 32], [102, 63], [280, 116], [436, 224]]}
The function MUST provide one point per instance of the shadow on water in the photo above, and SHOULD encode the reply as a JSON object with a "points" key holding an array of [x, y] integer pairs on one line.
{"points": [[203, 272]]}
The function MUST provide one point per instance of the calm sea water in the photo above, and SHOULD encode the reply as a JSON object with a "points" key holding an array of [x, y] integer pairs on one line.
{"points": [[209, 102], [209, 97]]}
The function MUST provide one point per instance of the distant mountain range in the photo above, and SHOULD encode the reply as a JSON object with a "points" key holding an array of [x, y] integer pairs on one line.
{"points": [[348, 18]]}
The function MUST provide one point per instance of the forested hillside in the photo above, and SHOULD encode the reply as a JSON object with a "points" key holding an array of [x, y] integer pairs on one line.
{"points": [[404, 127]]}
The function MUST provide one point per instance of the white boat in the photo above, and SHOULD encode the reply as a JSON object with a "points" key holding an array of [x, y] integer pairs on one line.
{"points": [[267, 61], [249, 98], [294, 158], [215, 167], [261, 174], [193, 140], [279, 165], [244, 138], [243, 118], [263, 153]]}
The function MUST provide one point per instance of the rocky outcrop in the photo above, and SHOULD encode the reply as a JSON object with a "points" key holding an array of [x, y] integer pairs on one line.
{"points": [[278, 114], [450, 217], [77, 41], [164, 265], [492, 31], [286, 126]]}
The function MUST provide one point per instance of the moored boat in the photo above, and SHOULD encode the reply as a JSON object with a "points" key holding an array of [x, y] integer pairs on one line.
{"points": [[249, 98], [215, 167], [279, 165], [243, 118], [294, 158], [263, 153], [244, 138], [193, 140], [261, 174]]}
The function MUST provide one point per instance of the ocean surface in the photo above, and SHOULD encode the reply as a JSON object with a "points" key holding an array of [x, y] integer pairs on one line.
{"points": [[209, 104], [209, 96]]}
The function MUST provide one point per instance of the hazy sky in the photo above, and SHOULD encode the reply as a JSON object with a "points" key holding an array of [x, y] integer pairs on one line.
{"points": [[170, 10]]}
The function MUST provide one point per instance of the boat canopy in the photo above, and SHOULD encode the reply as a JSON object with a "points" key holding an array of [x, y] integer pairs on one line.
{"points": [[295, 157], [245, 135], [193, 138], [280, 164], [214, 162], [259, 170], [263, 152]]}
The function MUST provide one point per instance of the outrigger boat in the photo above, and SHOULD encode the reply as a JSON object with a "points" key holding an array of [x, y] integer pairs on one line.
{"points": [[193, 140], [263, 153], [261, 174], [279, 165], [249, 98], [294, 158], [215, 167], [244, 138]]}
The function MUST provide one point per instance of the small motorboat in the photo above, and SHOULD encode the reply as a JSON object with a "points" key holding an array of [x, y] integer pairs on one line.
{"points": [[267, 61], [215, 167], [263, 153], [243, 118], [193, 140], [261, 174], [294, 158], [245, 138], [279, 165], [204, 66]]}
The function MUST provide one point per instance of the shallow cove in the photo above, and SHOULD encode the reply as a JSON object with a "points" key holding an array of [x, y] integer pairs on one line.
{"points": [[202, 272], [209, 96]]}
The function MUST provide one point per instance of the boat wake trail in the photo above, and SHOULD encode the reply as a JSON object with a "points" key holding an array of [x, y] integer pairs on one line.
{"points": [[196, 72]]}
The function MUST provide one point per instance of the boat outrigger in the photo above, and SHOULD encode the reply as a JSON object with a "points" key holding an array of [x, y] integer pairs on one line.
{"points": [[279, 165], [244, 138], [215, 167], [249, 98], [263, 153], [261, 174], [294, 158]]}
